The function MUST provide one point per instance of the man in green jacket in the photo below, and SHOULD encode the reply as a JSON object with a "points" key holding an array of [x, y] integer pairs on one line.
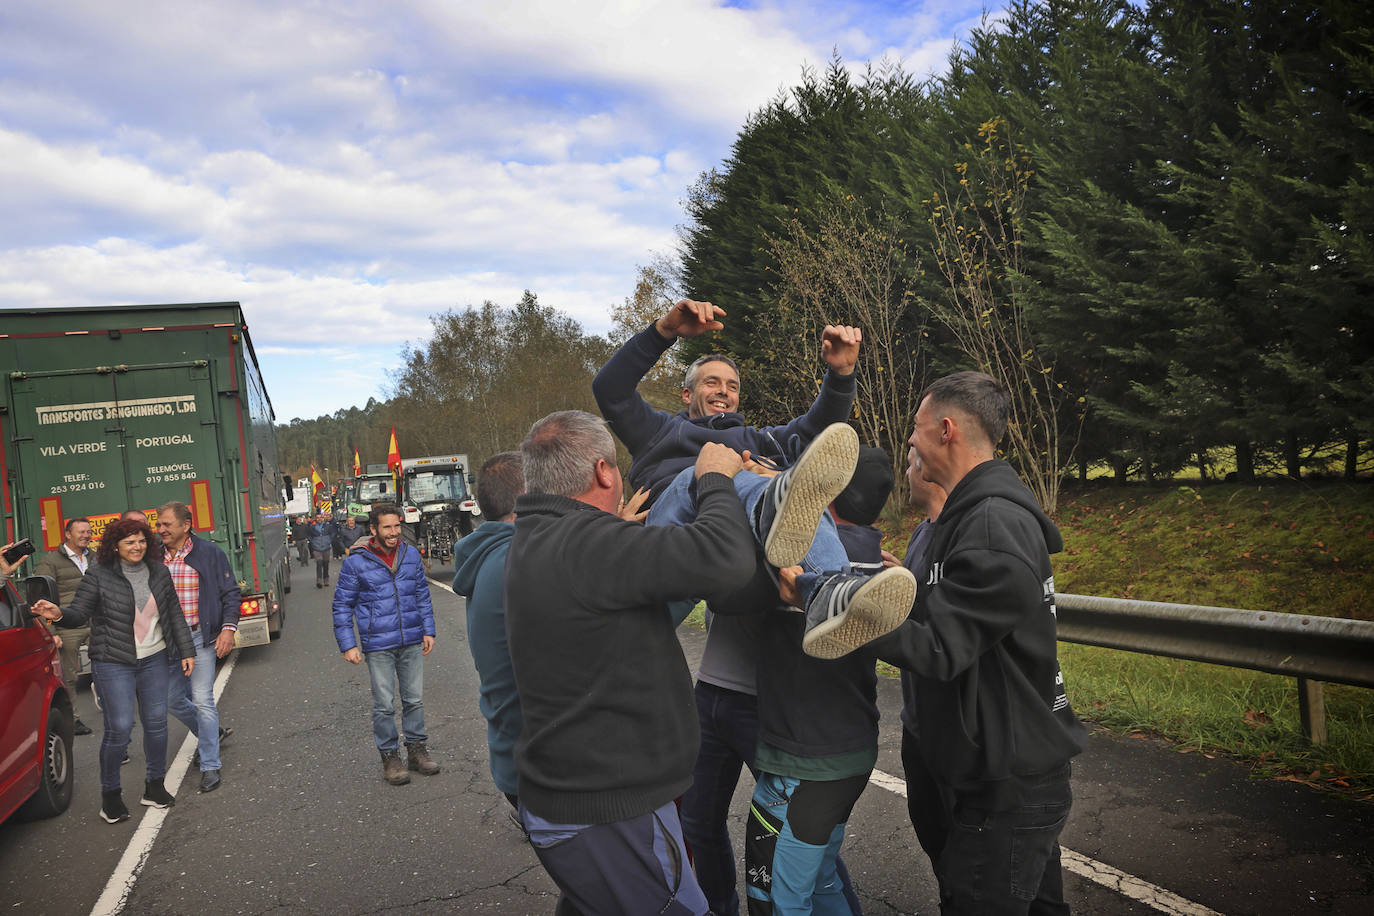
{"points": [[67, 565]]}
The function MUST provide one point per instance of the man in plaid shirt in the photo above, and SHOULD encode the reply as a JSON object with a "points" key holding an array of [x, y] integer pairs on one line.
{"points": [[209, 596]]}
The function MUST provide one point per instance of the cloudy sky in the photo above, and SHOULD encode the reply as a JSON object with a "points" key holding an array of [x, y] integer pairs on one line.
{"points": [[348, 169]]}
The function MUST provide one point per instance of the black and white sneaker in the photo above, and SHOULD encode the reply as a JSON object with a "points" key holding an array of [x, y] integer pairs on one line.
{"points": [[791, 507], [155, 795], [848, 611], [112, 809]]}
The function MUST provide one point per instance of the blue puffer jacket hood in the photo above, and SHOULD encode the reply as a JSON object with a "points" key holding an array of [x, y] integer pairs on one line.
{"points": [[391, 608]]}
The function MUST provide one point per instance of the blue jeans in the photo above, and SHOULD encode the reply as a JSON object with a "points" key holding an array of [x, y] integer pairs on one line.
{"points": [[677, 505], [120, 686], [790, 871], [629, 867], [387, 667], [192, 701], [729, 732]]}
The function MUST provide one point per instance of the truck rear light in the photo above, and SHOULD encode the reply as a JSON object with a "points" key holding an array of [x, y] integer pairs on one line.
{"points": [[250, 606]]}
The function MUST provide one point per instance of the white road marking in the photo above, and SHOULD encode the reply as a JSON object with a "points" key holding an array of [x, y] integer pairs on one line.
{"points": [[121, 883], [1098, 872], [1114, 879]]}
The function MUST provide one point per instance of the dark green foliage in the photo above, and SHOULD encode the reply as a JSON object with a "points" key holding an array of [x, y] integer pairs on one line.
{"points": [[1198, 233]]}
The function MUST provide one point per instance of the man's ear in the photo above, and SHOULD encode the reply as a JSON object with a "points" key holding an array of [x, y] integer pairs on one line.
{"points": [[687, 396], [606, 473]]}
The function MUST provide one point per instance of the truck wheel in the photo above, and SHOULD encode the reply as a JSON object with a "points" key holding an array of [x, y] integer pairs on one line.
{"points": [[55, 781]]}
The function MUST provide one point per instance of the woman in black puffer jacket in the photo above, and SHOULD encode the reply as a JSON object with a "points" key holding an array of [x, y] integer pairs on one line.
{"points": [[128, 599]]}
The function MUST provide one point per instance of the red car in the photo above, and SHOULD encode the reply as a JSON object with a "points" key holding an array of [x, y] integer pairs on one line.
{"points": [[35, 711]]}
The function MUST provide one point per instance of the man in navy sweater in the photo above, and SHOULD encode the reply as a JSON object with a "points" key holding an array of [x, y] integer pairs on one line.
{"points": [[788, 513], [209, 595]]}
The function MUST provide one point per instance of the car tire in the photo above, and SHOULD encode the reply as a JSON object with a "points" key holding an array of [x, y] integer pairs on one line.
{"points": [[57, 776]]}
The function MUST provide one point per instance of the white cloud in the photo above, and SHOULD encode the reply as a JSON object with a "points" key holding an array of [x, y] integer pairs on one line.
{"points": [[347, 170]]}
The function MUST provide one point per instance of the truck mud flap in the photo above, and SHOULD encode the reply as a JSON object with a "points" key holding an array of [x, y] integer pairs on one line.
{"points": [[252, 632]]}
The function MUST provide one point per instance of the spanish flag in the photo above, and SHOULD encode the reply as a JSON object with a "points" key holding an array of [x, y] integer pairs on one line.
{"points": [[357, 464], [393, 461], [316, 487]]}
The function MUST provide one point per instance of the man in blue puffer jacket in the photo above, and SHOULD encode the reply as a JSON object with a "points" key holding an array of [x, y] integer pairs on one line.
{"points": [[383, 590]]}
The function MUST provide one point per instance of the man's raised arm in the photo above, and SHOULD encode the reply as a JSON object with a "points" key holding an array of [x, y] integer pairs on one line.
{"points": [[630, 416], [835, 401]]}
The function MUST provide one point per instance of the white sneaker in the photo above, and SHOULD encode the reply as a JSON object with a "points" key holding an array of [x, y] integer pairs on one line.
{"points": [[847, 611], [791, 507]]}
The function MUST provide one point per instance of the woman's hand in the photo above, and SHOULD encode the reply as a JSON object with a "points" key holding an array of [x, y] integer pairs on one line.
{"points": [[629, 511], [45, 609]]}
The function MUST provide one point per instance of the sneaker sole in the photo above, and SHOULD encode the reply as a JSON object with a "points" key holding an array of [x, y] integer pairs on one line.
{"points": [[820, 474], [112, 820], [156, 804], [877, 608]]}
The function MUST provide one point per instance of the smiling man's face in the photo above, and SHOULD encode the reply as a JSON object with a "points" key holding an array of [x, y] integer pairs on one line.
{"points": [[716, 391]]}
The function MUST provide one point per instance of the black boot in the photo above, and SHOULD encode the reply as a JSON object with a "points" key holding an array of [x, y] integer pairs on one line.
{"points": [[112, 809], [155, 795]]}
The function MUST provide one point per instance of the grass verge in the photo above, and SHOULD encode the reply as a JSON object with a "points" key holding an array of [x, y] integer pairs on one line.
{"points": [[1290, 547]]}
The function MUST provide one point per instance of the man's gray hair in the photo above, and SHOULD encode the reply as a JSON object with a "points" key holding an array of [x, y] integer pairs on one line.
{"points": [[180, 510], [561, 450], [689, 381]]}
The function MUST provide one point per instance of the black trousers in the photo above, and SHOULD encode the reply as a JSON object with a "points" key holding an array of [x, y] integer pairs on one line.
{"points": [[996, 862]]}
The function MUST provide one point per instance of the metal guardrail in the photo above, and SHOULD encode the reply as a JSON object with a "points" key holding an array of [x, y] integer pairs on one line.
{"points": [[1311, 649]]}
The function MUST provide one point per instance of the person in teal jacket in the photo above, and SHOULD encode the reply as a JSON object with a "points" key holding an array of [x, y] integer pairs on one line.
{"points": [[480, 561], [383, 592]]}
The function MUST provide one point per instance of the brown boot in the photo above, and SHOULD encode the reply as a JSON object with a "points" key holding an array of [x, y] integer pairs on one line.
{"points": [[393, 771], [418, 759]]}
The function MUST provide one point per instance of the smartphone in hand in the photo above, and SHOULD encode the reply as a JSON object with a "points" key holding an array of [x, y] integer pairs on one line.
{"points": [[18, 551]]}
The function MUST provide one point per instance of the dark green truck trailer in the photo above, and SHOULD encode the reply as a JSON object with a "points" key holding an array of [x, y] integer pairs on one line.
{"points": [[129, 407]]}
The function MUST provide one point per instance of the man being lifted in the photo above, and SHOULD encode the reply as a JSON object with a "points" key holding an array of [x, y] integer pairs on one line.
{"points": [[788, 512]]}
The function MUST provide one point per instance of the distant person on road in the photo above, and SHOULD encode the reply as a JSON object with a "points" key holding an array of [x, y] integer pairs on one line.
{"points": [[67, 565], [788, 512], [479, 561], [300, 535], [347, 535], [209, 596], [994, 727], [383, 592], [610, 732], [321, 539], [128, 600]]}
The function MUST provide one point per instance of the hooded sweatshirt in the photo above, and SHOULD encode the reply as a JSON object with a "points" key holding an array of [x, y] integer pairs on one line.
{"points": [[980, 642], [480, 561]]}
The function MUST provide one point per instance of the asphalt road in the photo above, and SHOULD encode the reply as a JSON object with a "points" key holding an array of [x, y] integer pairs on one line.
{"points": [[305, 824]]}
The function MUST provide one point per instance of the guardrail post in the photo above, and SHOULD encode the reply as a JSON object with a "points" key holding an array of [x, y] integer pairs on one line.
{"points": [[1312, 710]]}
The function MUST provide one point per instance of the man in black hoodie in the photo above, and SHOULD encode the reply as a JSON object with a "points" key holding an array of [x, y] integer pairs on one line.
{"points": [[996, 730], [610, 726]]}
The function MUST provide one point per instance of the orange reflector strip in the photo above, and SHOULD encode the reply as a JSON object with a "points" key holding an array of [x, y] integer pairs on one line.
{"points": [[202, 514], [50, 510]]}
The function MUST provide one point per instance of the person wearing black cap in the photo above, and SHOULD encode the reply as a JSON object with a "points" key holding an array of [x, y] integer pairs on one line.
{"points": [[818, 731]]}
